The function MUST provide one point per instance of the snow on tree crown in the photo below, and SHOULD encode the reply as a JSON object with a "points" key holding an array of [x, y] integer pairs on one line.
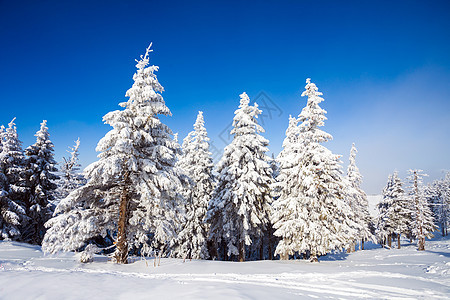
{"points": [[245, 100], [143, 62], [199, 122], [311, 90], [146, 88]]}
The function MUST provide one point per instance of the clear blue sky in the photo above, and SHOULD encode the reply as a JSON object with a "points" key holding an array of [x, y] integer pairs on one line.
{"points": [[383, 66]]}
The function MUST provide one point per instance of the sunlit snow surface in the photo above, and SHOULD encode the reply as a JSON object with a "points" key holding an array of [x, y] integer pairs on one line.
{"points": [[26, 273]]}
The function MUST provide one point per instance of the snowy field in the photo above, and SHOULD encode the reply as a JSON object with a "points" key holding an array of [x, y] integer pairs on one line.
{"points": [[26, 273]]}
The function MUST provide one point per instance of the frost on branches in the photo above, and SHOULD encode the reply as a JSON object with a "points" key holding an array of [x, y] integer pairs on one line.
{"points": [[197, 164], [357, 200], [40, 182], [238, 212], [12, 184], [310, 215], [423, 223], [133, 189], [70, 176]]}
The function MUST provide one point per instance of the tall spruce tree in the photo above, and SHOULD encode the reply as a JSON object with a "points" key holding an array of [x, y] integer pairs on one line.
{"points": [[439, 198], [239, 210], [384, 230], [311, 214], [197, 164], [286, 209], [357, 199], [12, 184], [394, 214], [423, 223], [133, 189], [40, 183]]}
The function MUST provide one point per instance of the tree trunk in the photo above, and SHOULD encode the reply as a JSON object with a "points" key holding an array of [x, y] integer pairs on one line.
{"points": [[284, 256], [224, 250], [270, 249], [314, 258], [212, 249], [241, 251], [270, 242], [390, 241], [421, 243], [362, 244], [349, 249], [261, 249], [121, 254], [398, 241]]}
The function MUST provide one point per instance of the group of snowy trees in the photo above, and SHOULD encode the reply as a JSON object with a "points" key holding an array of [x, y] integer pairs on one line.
{"points": [[28, 184], [415, 212], [147, 195]]}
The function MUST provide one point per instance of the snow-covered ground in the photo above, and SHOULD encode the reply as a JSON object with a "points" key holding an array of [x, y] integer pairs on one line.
{"points": [[26, 273]]}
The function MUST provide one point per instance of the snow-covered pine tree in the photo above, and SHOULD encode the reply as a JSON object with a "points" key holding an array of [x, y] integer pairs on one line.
{"points": [[383, 228], [286, 208], [133, 189], [357, 199], [423, 223], [12, 184], [394, 212], [238, 211], [439, 197], [311, 214], [196, 162], [70, 176], [40, 183]]}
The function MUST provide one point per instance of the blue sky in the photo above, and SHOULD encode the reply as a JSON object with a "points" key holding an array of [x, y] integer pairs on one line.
{"points": [[383, 66]]}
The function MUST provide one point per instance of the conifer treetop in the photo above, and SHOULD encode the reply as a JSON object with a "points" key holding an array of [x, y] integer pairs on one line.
{"points": [[313, 116], [353, 173]]}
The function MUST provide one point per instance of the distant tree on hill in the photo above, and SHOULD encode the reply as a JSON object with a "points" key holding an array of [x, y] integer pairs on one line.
{"points": [[70, 176], [423, 223], [357, 199]]}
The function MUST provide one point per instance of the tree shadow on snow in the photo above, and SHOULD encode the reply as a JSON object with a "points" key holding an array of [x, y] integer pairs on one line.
{"points": [[446, 254], [334, 256]]}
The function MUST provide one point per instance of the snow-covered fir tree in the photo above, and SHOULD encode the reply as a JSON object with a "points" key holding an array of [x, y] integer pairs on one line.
{"points": [[394, 214], [423, 223], [12, 184], [289, 159], [238, 212], [133, 189], [286, 208], [70, 176], [40, 183], [383, 229], [311, 214], [439, 198], [196, 162], [357, 200]]}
